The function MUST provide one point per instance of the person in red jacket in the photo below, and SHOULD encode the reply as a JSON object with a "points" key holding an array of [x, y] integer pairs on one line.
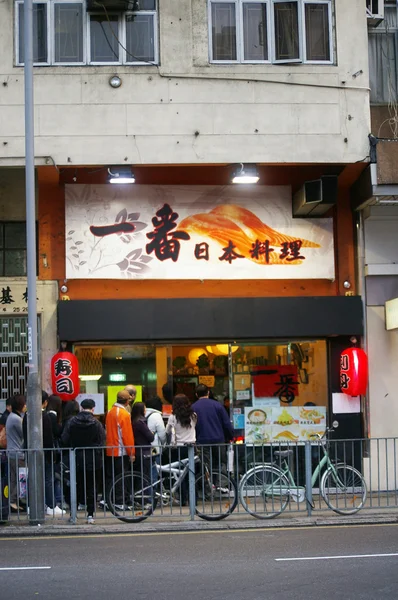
{"points": [[120, 449]]}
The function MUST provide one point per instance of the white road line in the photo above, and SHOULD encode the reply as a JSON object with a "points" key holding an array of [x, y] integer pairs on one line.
{"points": [[22, 568], [336, 557]]}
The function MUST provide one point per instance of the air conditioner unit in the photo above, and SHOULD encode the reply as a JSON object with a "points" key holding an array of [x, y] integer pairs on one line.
{"points": [[374, 12], [316, 197]]}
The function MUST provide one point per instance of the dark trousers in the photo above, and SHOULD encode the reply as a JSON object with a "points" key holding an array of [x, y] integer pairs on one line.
{"points": [[115, 466], [215, 457], [87, 481]]}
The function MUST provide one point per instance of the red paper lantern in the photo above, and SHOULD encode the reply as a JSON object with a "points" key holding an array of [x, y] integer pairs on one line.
{"points": [[353, 372], [65, 375]]}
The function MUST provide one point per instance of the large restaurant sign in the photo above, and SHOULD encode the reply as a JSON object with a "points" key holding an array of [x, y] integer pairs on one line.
{"points": [[192, 232]]}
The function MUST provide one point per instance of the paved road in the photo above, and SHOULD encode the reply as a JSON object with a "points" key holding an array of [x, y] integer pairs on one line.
{"points": [[350, 563]]}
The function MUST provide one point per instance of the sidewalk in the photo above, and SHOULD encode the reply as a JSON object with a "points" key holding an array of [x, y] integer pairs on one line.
{"points": [[110, 526]]}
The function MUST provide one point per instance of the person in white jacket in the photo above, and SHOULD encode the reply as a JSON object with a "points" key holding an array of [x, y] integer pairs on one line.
{"points": [[156, 425]]}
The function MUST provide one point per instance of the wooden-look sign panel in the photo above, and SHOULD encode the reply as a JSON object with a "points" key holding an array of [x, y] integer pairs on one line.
{"points": [[192, 232]]}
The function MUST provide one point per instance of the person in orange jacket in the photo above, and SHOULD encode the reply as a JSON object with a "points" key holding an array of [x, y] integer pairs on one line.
{"points": [[120, 449]]}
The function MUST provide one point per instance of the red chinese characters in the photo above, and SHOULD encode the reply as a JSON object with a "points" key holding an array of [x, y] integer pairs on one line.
{"points": [[353, 372], [276, 381], [65, 375]]}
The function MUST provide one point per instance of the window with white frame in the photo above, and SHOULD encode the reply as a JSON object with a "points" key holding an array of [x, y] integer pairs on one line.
{"points": [[66, 33], [270, 31]]}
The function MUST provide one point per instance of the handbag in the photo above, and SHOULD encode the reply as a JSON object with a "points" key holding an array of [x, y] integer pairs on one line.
{"points": [[171, 437]]}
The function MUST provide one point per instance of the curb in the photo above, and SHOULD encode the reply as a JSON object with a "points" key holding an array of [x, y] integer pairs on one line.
{"points": [[70, 530]]}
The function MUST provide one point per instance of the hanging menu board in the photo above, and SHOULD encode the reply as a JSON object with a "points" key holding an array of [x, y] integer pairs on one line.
{"points": [[284, 424]]}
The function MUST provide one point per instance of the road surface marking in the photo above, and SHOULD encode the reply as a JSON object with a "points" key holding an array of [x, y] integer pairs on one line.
{"points": [[202, 532], [336, 557], [23, 568]]}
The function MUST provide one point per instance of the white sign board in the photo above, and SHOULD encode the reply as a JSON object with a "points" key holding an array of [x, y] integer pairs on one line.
{"points": [[192, 232], [392, 314], [98, 399]]}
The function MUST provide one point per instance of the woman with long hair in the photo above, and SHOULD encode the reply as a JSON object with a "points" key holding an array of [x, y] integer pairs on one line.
{"points": [[143, 438], [181, 427], [54, 409]]}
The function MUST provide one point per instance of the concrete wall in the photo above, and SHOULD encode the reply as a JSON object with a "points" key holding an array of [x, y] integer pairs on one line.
{"points": [[188, 111], [381, 248], [381, 235]]}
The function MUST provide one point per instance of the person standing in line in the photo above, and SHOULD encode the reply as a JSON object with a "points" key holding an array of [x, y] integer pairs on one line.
{"points": [[120, 449], [54, 411], [143, 439], [48, 445], [69, 410], [213, 429], [131, 389], [181, 426], [6, 413], [84, 431], [14, 431], [155, 424], [3, 421]]}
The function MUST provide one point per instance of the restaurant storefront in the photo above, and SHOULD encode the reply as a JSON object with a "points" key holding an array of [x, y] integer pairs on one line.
{"points": [[170, 282], [277, 377]]}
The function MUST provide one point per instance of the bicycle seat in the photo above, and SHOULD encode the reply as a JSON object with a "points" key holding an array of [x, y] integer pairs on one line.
{"points": [[283, 453]]}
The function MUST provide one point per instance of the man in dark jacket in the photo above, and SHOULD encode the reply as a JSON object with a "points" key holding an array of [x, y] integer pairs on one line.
{"points": [[52, 488], [85, 432], [213, 427]]}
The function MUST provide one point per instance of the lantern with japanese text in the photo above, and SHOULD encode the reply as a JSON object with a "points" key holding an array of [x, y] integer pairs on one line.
{"points": [[65, 375], [353, 372]]}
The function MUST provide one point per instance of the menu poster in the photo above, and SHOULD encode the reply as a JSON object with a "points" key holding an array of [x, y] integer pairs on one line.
{"points": [[257, 425], [284, 424]]}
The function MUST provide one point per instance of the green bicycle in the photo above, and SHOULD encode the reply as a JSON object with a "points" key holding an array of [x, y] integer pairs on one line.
{"points": [[265, 490]]}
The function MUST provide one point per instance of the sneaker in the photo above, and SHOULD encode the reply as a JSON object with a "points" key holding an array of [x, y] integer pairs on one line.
{"points": [[81, 507], [222, 490], [55, 512], [90, 520], [103, 504]]}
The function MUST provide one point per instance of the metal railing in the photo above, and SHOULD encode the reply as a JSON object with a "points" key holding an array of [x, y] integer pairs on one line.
{"points": [[209, 482]]}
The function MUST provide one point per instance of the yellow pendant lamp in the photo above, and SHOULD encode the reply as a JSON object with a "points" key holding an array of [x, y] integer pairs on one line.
{"points": [[194, 354]]}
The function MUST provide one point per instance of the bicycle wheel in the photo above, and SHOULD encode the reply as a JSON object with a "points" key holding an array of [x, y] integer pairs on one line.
{"points": [[263, 492], [139, 498], [216, 497], [344, 489]]}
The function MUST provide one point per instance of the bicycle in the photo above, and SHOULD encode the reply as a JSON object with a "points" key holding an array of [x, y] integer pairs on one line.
{"points": [[265, 490], [216, 493]]}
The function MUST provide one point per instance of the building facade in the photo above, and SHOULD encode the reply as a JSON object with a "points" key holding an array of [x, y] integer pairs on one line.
{"points": [[183, 94]]}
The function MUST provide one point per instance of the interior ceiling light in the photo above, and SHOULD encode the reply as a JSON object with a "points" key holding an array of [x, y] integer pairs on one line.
{"points": [[245, 174], [120, 175]]}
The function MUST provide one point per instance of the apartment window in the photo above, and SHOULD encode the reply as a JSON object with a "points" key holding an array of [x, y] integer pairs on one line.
{"points": [[65, 33], [272, 31], [12, 249]]}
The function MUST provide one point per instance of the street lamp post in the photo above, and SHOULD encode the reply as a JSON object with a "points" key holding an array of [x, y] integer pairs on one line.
{"points": [[35, 427]]}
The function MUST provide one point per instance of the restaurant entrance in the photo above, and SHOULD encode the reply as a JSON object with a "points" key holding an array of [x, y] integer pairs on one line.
{"points": [[272, 390]]}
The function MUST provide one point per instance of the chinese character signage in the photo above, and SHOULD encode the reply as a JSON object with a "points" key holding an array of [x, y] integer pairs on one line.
{"points": [[14, 296], [192, 232], [353, 372], [284, 424], [276, 381], [65, 376]]}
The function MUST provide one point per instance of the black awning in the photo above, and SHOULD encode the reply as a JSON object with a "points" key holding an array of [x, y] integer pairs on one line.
{"points": [[207, 319]]}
